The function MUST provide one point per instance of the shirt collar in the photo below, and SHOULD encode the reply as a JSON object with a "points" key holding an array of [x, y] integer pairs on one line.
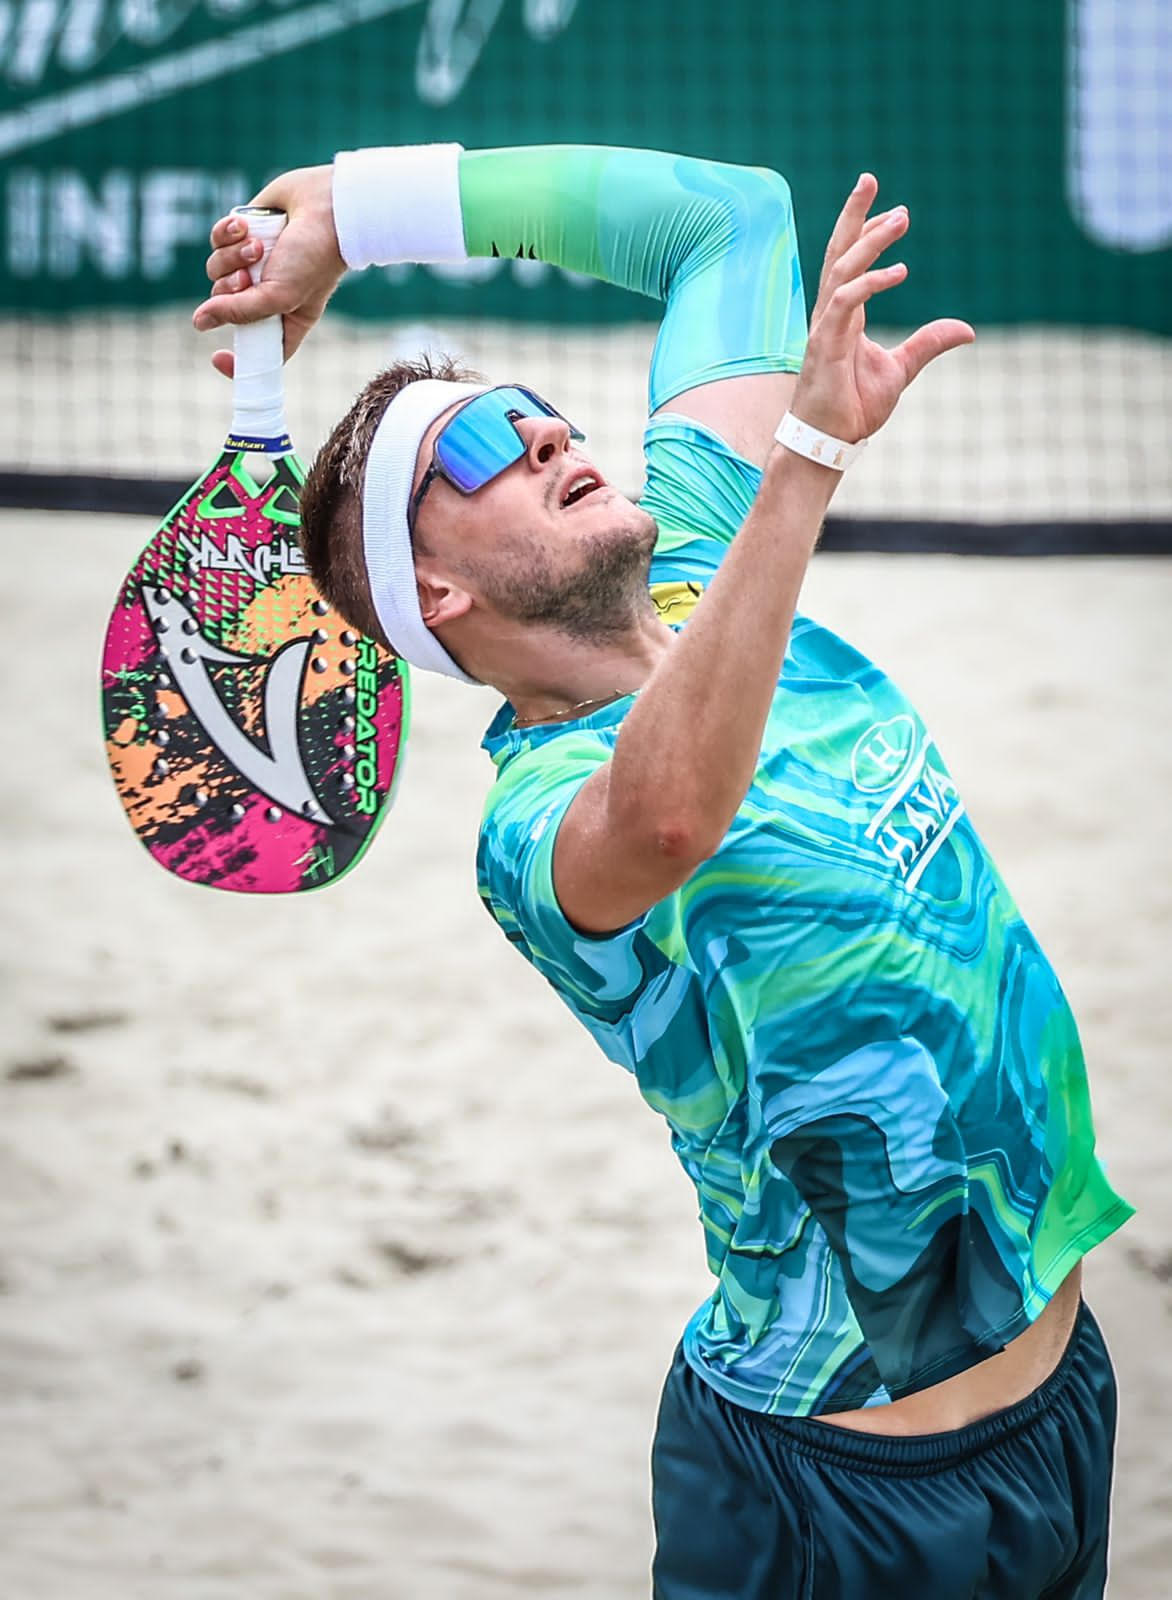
{"points": [[503, 740]]}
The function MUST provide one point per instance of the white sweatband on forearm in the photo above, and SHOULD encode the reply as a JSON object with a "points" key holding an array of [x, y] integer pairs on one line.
{"points": [[399, 203], [386, 540], [823, 448]]}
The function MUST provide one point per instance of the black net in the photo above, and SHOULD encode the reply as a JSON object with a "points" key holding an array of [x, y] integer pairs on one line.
{"points": [[1033, 144]]}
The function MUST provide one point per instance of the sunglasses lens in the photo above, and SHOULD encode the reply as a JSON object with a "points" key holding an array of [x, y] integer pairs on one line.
{"points": [[481, 441]]}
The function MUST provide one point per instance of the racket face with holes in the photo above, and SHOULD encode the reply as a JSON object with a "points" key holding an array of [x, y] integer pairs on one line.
{"points": [[254, 739]]}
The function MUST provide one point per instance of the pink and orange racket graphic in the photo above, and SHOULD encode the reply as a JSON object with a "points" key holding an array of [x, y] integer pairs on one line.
{"points": [[253, 737]]}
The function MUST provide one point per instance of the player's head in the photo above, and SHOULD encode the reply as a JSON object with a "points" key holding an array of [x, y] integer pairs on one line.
{"points": [[449, 517]]}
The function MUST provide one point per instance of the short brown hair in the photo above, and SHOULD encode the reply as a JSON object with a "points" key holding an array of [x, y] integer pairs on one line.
{"points": [[331, 498]]}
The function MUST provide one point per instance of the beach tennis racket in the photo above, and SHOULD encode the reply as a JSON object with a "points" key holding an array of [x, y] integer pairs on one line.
{"points": [[254, 737]]}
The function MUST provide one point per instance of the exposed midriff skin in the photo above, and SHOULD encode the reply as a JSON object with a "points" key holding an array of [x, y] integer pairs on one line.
{"points": [[990, 1386]]}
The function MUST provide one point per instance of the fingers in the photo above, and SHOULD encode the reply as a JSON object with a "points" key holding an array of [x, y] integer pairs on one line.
{"points": [[930, 341], [228, 230], [865, 251], [869, 227], [879, 219], [232, 249], [852, 216], [232, 284], [233, 258], [858, 240], [228, 307], [233, 253], [227, 266], [836, 323]]}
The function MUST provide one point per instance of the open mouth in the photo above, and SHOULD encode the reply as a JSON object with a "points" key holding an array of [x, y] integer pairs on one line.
{"points": [[579, 486]]}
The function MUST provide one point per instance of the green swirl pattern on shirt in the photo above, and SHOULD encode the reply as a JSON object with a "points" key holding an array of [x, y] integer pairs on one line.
{"points": [[868, 1067]]}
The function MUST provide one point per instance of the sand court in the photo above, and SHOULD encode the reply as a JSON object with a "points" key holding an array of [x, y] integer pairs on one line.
{"points": [[335, 1261]]}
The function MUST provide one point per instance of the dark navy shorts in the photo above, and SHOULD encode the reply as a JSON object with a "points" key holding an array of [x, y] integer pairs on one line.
{"points": [[1015, 1507]]}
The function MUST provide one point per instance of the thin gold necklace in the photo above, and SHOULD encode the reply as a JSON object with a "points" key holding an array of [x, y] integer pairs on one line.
{"points": [[560, 716]]}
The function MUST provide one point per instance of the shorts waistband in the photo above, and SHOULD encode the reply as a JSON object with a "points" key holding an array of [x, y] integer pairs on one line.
{"points": [[930, 1452]]}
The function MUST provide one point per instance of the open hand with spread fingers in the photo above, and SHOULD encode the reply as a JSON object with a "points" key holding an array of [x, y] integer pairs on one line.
{"points": [[849, 385]]}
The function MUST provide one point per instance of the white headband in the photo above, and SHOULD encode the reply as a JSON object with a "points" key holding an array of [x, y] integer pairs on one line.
{"points": [[386, 495]]}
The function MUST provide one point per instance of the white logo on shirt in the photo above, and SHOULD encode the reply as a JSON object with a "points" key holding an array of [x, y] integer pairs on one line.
{"points": [[916, 818], [881, 756]]}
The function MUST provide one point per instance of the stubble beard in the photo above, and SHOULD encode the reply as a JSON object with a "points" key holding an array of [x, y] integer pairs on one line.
{"points": [[595, 605]]}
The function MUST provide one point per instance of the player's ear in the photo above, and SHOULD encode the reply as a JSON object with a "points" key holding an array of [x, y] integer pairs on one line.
{"points": [[441, 600]]}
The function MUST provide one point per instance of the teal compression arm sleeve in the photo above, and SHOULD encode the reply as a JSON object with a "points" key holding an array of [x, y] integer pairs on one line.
{"points": [[716, 242]]}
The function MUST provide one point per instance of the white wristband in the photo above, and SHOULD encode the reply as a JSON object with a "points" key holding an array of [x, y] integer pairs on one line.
{"points": [[399, 203], [823, 448]]}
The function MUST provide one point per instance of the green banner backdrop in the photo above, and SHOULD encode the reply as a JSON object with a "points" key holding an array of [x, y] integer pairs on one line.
{"points": [[1038, 191]]}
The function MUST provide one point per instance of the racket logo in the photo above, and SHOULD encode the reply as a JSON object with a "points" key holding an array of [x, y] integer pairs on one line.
{"points": [[366, 734], [262, 563], [277, 772]]}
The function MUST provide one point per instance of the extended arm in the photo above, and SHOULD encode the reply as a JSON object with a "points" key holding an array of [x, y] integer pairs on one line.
{"points": [[713, 241], [683, 761], [688, 748], [716, 243]]}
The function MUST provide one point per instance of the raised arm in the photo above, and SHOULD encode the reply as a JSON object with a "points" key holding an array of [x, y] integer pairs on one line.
{"points": [[637, 827], [685, 756], [713, 241]]}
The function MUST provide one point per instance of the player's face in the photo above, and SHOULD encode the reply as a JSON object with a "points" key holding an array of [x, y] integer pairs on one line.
{"points": [[547, 541]]}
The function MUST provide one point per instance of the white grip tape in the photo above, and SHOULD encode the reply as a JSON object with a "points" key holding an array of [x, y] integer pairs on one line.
{"points": [[823, 448], [258, 410]]}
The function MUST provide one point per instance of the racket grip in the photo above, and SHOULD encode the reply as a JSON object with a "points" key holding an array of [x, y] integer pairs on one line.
{"points": [[258, 413]]}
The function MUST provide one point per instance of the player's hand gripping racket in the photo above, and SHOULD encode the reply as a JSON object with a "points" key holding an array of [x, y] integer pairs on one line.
{"points": [[253, 737]]}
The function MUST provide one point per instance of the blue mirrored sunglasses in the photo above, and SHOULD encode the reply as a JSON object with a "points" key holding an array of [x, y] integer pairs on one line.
{"points": [[481, 440]]}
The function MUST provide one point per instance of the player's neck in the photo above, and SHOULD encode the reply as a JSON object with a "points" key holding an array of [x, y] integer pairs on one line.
{"points": [[547, 675]]}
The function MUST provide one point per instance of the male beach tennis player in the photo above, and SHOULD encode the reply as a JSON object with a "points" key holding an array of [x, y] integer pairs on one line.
{"points": [[729, 843]]}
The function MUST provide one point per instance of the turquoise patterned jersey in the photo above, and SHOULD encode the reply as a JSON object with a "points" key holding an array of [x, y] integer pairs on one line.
{"points": [[868, 1068]]}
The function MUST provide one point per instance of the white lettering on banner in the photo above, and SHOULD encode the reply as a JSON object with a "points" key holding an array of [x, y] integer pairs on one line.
{"points": [[24, 205], [1119, 121], [121, 223], [174, 213], [76, 35], [101, 224]]}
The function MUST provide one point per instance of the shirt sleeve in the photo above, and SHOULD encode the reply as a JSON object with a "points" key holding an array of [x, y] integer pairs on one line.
{"points": [[699, 491], [736, 307], [716, 242]]}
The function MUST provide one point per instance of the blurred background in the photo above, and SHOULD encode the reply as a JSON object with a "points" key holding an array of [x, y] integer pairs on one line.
{"points": [[1032, 142], [335, 1262]]}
